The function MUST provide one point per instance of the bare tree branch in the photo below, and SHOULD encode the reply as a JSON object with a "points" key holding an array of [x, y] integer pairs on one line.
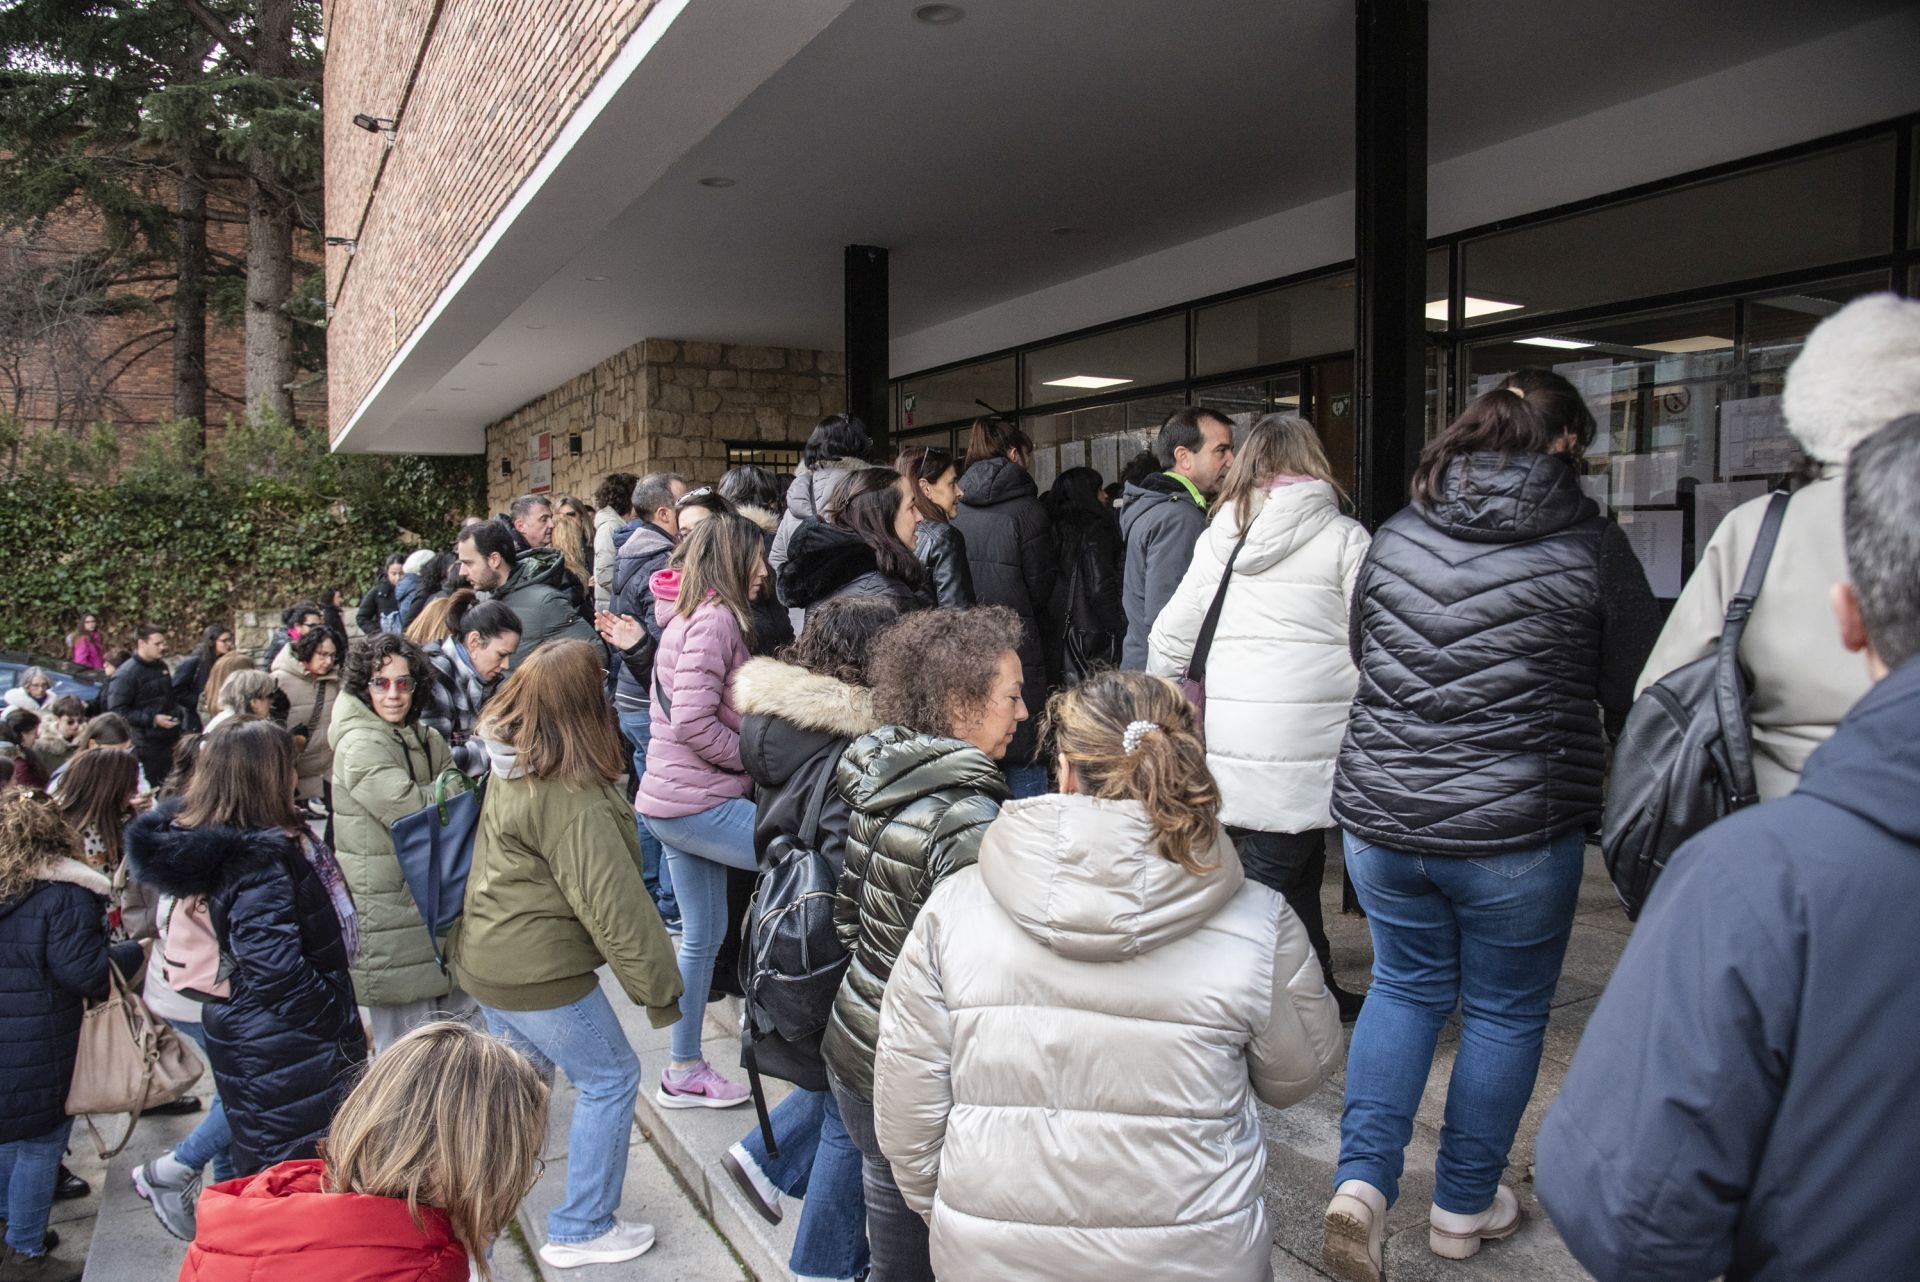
{"points": [[240, 49]]}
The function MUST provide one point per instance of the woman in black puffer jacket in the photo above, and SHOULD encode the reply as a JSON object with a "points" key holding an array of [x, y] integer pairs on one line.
{"points": [[1086, 619], [865, 548], [1494, 620], [941, 547], [287, 1038], [1014, 557]]}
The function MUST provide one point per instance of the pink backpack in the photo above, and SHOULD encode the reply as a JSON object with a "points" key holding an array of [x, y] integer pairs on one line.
{"points": [[190, 956]]}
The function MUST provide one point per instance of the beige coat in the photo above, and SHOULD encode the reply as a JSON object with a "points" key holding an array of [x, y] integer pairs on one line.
{"points": [[1804, 680], [309, 704], [1071, 1048]]}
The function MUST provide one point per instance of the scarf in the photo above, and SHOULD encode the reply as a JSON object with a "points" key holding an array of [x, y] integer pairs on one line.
{"points": [[328, 869]]}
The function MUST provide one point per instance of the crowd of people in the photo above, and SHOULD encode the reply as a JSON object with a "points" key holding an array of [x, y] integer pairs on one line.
{"points": [[1031, 796]]}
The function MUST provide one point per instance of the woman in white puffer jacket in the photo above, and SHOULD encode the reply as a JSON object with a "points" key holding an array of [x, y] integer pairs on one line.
{"points": [[1280, 676], [1074, 1038]]}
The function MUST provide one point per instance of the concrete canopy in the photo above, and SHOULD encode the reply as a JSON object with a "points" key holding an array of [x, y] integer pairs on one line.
{"points": [[1014, 161]]}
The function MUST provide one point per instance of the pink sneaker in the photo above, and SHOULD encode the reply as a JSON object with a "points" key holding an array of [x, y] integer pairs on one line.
{"points": [[698, 1087]]}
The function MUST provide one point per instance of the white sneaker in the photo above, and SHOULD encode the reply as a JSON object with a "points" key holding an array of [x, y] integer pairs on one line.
{"points": [[1453, 1236], [1354, 1232], [621, 1242]]}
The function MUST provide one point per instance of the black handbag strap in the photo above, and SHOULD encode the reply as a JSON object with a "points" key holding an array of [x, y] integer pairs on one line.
{"points": [[1729, 689], [1203, 644], [817, 803]]}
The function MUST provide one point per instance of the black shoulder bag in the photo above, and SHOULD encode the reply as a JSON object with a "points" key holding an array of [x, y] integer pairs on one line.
{"points": [[1685, 756]]}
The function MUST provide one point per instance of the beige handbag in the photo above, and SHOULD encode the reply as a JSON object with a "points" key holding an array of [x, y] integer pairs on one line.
{"points": [[130, 1060]]}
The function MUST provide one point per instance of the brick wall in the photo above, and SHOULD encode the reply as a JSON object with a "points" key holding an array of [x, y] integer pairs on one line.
{"points": [[666, 405], [496, 81]]}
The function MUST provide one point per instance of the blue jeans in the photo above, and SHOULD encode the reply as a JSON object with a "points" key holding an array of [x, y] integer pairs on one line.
{"points": [[585, 1040], [819, 1163], [638, 728], [212, 1140], [700, 848], [28, 1170], [1025, 781], [1486, 934]]}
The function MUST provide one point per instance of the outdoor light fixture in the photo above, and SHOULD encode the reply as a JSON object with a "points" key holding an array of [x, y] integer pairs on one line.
{"points": [[347, 243], [382, 125], [506, 467], [1567, 344], [716, 182], [573, 443], [1091, 382], [1470, 306], [939, 15]]}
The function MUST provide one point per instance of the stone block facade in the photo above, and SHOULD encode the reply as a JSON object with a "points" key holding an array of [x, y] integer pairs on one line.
{"points": [[480, 90], [666, 405]]}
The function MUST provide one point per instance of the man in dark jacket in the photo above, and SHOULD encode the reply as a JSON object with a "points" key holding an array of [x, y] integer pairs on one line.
{"points": [[1743, 1101], [532, 587], [1164, 516], [381, 599], [142, 692]]}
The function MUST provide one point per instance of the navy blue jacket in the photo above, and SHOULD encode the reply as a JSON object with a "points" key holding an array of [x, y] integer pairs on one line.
{"points": [[1746, 1100], [53, 953], [286, 1044]]}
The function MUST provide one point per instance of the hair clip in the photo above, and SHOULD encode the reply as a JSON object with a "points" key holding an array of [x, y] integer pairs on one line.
{"points": [[1136, 731]]}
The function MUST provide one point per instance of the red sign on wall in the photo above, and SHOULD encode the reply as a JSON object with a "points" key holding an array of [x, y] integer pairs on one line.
{"points": [[540, 463]]}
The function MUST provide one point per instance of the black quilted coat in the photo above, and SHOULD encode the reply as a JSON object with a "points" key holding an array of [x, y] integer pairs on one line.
{"points": [[286, 1045], [1490, 628], [921, 804], [53, 953], [1010, 548]]}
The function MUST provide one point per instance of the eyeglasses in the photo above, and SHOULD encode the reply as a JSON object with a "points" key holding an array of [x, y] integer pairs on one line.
{"points": [[391, 685], [692, 495]]}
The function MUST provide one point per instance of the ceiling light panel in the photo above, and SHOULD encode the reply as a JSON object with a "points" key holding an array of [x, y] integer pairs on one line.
{"points": [[1565, 344], [1090, 382], [1698, 343]]}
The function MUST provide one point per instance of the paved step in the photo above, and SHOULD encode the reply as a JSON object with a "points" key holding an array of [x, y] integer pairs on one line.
{"points": [[128, 1244]]}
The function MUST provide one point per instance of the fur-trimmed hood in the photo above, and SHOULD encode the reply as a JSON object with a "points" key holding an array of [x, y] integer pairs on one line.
{"points": [[770, 688], [196, 861], [1859, 370], [767, 521]]}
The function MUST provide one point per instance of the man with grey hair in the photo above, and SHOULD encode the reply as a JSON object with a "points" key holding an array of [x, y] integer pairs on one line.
{"points": [[532, 518], [1743, 1100], [645, 542]]}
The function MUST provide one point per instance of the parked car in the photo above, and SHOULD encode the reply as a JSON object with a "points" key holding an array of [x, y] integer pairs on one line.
{"points": [[85, 684]]}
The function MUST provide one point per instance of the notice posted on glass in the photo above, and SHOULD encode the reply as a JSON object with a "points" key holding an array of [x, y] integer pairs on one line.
{"points": [[1754, 437], [1656, 538]]}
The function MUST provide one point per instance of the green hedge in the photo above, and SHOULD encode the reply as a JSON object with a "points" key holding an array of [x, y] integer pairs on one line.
{"points": [[162, 530]]}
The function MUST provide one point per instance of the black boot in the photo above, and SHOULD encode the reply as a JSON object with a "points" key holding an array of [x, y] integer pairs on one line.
{"points": [[185, 1104], [1349, 1003], [69, 1186]]}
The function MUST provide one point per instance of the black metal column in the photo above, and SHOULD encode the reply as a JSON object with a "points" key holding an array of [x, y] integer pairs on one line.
{"points": [[1390, 249], [866, 329]]}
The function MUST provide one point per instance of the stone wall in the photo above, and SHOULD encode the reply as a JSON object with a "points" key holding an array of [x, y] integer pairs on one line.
{"points": [[666, 405]]}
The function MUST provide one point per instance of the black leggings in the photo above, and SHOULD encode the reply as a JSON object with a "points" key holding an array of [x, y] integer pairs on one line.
{"points": [[1292, 863]]}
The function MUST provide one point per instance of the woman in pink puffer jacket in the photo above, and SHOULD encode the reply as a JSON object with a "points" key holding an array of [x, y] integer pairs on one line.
{"points": [[695, 796]]}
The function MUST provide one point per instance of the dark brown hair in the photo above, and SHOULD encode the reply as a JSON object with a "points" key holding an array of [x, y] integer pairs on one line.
{"points": [[865, 505], [244, 779], [1499, 422], [992, 438], [370, 653], [554, 713], [935, 667], [1557, 401], [922, 463], [95, 791], [838, 639], [1167, 770]]}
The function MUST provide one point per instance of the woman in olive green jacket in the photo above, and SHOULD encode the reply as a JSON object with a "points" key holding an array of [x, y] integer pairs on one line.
{"points": [[384, 765], [555, 893]]}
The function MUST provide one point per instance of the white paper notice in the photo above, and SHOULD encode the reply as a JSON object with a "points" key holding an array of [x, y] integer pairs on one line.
{"points": [[1753, 437], [1655, 538], [1646, 480], [1106, 458], [1598, 486], [1711, 503], [1073, 454]]}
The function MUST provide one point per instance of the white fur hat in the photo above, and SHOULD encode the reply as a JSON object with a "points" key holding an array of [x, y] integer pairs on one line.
{"points": [[1859, 371], [419, 561]]}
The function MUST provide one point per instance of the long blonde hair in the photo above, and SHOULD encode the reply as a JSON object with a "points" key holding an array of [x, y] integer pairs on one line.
{"points": [[430, 624], [33, 838], [446, 1117], [1166, 772], [718, 557], [573, 535], [1278, 445], [553, 711]]}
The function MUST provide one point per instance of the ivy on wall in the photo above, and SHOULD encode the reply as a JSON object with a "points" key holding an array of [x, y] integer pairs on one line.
{"points": [[159, 528]]}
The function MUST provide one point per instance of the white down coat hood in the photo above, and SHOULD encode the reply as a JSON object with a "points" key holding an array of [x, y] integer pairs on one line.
{"points": [[1071, 1047], [1280, 678]]}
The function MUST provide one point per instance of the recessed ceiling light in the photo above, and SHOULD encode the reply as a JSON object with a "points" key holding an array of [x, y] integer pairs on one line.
{"points": [[1437, 309], [536, 326], [430, 409], [1064, 231], [456, 389], [716, 181], [1088, 381], [939, 15], [1569, 344], [487, 364], [595, 278], [1698, 343], [1286, 400]]}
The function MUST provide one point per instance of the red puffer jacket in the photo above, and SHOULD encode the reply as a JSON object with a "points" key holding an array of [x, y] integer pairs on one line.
{"points": [[272, 1224]]}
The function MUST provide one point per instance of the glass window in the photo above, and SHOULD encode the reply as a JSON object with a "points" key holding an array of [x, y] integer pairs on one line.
{"points": [[1689, 419], [1247, 403], [1801, 213], [951, 395], [1313, 318], [1116, 360], [1102, 437], [941, 438]]}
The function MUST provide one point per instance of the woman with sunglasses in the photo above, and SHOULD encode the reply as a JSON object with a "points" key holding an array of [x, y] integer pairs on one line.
{"points": [[384, 766]]}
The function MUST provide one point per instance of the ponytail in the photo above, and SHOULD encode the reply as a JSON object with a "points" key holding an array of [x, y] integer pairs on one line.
{"points": [[467, 613], [1132, 737]]}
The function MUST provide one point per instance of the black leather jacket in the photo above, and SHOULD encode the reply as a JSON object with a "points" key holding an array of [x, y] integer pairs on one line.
{"points": [[943, 550]]}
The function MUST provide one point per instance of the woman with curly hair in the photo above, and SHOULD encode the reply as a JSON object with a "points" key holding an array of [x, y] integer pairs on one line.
{"points": [[384, 766]]}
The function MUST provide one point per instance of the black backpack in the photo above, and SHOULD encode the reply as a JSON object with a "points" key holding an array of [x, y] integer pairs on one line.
{"points": [[791, 958], [1685, 756]]}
